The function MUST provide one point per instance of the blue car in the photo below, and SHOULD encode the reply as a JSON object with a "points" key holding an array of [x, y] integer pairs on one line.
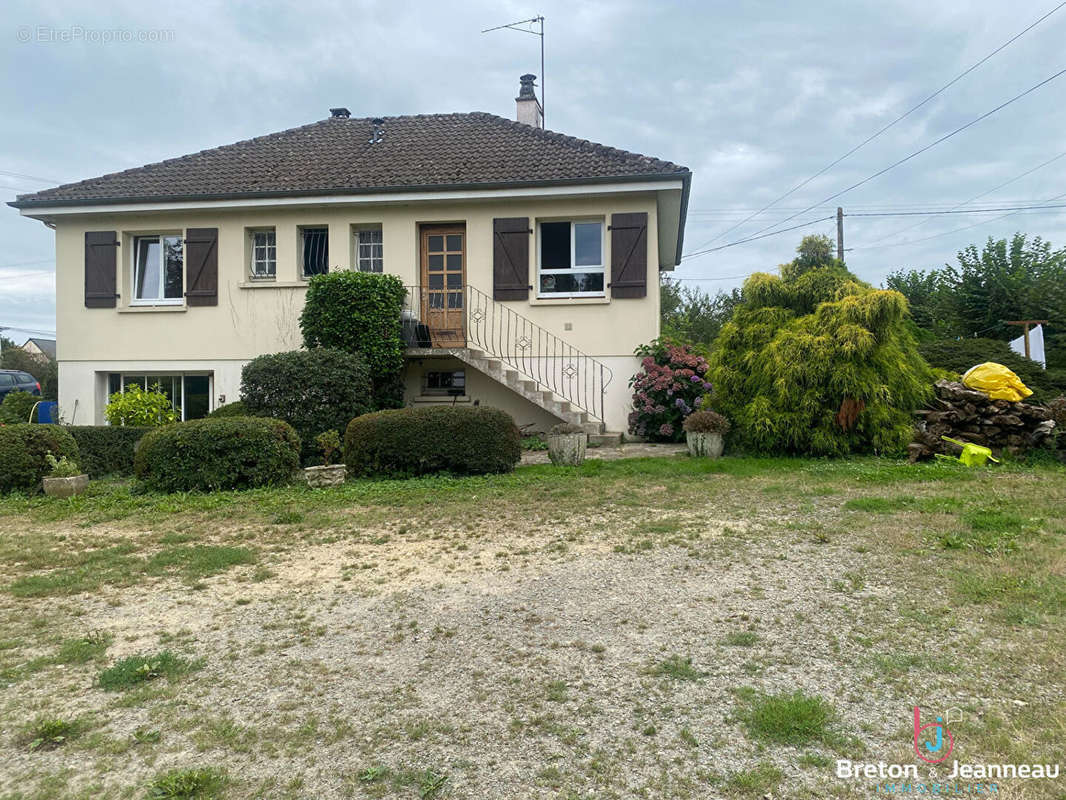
{"points": [[12, 380]]}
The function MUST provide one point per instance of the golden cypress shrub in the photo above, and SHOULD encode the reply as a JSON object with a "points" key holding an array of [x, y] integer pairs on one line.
{"points": [[818, 362]]}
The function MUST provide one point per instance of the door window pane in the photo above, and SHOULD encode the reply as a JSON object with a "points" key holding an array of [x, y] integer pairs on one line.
{"points": [[436, 262], [455, 242], [587, 244], [455, 260], [436, 243], [555, 245]]}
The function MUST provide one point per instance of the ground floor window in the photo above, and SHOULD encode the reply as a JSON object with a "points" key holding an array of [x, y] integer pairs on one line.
{"points": [[190, 395], [448, 383]]}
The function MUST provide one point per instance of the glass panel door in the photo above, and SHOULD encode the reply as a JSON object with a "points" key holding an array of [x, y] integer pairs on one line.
{"points": [[443, 282]]}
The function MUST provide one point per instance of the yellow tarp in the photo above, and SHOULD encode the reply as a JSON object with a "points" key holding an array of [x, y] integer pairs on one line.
{"points": [[997, 382]]}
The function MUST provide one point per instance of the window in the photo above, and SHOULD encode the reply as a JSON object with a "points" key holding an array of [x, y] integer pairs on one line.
{"points": [[445, 383], [571, 259], [190, 395], [314, 249], [157, 270], [264, 251], [368, 250]]}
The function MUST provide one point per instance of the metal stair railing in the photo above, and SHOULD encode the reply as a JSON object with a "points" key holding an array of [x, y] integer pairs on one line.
{"points": [[502, 333]]}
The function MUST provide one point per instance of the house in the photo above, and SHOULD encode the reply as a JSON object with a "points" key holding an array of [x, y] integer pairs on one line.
{"points": [[531, 259], [41, 349]]}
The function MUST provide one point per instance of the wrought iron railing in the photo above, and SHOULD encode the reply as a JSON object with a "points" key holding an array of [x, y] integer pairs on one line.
{"points": [[467, 317]]}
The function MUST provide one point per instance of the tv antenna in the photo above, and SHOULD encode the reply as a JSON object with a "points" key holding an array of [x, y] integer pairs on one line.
{"points": [[514, 26]]}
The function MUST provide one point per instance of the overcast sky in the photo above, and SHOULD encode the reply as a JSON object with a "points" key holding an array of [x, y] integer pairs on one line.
{"points": [[754, 97]]}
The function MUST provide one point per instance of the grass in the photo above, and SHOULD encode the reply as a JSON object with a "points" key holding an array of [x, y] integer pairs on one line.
{"points": [[48, 733], [755, 782], [678, 669], [741, 639], [203, 783], [793, 718], [138, 669]]}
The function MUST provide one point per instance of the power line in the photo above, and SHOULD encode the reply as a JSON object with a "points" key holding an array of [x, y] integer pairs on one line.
{"points": [[975, 197], [36, 178], [921, 150], [28, 263], [898, 119], [949, 211], [754, 238]]}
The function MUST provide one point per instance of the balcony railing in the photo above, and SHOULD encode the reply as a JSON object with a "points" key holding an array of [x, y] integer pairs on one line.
{"points": [[465, 317]]}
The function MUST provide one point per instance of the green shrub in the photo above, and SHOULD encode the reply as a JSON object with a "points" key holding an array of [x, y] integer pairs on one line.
{"points": [[140, 407], [62, 467], [359, 312], [17, 408], [312, 390], [210, 454], [418, 441], [202, 783], [958, 355], [23, 453], [106, 449], [816, 362], [235, 409]]}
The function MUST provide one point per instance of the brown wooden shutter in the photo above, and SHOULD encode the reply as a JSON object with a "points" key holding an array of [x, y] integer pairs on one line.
{"points": [[510, 258], [629, 255], [101, 255], [201, 266]]}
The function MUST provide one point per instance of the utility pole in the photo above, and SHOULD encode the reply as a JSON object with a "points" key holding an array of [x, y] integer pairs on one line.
{"points": [[840, 233], [1025, 323]]}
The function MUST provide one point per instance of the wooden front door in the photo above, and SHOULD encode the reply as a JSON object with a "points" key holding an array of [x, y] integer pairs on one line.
{"points": [[443, 284]]}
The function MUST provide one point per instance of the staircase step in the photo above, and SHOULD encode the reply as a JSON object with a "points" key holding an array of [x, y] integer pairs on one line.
{"points": [[606, 439]]}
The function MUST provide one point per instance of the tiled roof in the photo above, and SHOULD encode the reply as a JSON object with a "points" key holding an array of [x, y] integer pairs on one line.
{"points": [[337, 156]]}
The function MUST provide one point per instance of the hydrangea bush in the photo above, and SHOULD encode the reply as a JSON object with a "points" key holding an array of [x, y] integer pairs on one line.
{"points": [[669, 387]]}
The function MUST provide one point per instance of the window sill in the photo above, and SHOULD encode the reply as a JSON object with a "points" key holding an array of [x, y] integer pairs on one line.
{"points": [[269, 284], [171, 308], [584, 300], [440, 398]]}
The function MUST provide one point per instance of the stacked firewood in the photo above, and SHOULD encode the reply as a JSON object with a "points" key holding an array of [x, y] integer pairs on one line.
{"points": [[971, 416]]}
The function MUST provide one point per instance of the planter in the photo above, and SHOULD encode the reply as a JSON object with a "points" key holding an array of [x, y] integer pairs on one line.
{"points": [[567, 449], [65, 487], [705, 445], [333, 475]]}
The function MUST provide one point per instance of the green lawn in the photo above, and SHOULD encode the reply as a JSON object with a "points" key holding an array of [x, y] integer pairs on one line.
{"points": [[665, 627]]}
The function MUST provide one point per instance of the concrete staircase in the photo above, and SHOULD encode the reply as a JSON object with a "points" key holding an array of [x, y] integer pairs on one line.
{"points": [[514, 380]]}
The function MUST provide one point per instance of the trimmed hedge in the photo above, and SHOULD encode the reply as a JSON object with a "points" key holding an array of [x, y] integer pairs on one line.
{"points": [[419, 441], [22, 453], [210, 454], [313, 390], [17, 408], [106, 449], [234, 409]]}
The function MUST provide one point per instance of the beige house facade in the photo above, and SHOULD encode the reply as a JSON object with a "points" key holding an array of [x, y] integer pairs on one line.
{"points": [[529, 282]]}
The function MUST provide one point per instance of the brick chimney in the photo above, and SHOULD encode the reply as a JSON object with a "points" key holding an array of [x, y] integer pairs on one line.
{"points": [[529, 110]]}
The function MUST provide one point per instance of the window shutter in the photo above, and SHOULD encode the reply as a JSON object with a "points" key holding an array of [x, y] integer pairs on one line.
{"points": [[629, 255], [101, 255], [201, 265], [510, 258]]}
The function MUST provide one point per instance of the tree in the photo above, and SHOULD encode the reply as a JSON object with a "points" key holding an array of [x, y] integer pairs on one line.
{"points": [[815, 361], [690, 314]]}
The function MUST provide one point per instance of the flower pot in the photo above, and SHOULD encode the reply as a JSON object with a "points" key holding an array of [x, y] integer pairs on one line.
{"points": [[66, 487], [567, 449], [705, 445], [331, 475]]}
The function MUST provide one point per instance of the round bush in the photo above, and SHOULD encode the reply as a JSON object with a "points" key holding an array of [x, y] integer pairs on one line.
{"points": [[419, 441], [313, 390], [209, 454], [22, 453], [235, 409]]}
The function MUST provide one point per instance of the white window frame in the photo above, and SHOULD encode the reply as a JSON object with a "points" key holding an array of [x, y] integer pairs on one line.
{"points": [[148, 376], [573, 269], [301, 230], [357, 264], [156, 301], [266, 276]]}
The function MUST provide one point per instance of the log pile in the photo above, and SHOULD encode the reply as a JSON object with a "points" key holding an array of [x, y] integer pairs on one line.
{"points": [[971, 416]]}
